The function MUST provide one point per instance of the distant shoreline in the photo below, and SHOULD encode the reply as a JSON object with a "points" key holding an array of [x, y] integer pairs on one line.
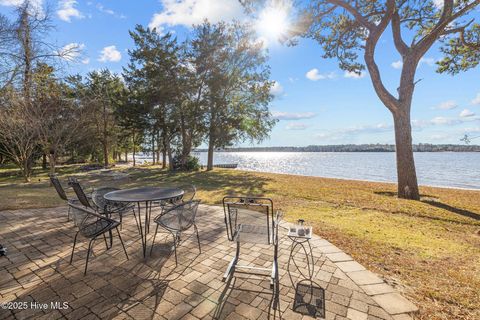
{"points": [[422, 147]]}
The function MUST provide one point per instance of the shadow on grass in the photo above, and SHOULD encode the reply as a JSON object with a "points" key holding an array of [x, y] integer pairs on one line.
{"points": [[462, 212], [432, 201], [225, 181], [395, 194]]}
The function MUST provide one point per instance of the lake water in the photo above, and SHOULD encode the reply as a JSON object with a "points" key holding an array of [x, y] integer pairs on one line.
{"points": [[448, 169]]}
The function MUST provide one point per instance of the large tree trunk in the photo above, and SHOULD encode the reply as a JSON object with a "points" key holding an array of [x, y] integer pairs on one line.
{"points": [[26, 170], [134, 148], [153, 148], [164, 150], [211, 141], [406, 174], [186, 143], [170, 156], [158, 147], [52, 162], [44, 161], [211, 148], [105, 154]]}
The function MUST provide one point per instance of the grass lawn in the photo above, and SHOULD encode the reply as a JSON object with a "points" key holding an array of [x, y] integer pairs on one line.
{"points": [[428, 249]]}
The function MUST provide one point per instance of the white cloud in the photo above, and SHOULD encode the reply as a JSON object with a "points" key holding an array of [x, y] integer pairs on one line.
{"points": [[11, 3], [466, 113], [100, 7], [110, 54], [447, 105], [86, 61], [296, 126], [354, 75], [380, 127], [189, 12], [292, 115], [37, 5], [476, 100], [357, 130], [428, 61], [397, 64], [277, 89], [71, 51], [444, 121], [315, 75], [66, 10]]}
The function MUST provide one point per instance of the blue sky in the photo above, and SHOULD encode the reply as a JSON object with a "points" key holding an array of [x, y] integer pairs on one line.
{"points": [[315, 101]]}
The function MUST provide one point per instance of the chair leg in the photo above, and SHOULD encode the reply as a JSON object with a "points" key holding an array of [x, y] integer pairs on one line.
{"points": [[153, 242], [231, 266], [90, 244], [105, 240], [121, 218], [120, 237], [175, 236], [111, 238], [198, 238], [73, 249], [136, 221]]}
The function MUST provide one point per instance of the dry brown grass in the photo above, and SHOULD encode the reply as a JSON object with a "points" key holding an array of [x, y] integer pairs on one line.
{"points": [[429, 249]]}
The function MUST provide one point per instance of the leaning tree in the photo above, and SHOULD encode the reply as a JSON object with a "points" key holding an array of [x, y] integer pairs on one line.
{"points": [[350, 30]]}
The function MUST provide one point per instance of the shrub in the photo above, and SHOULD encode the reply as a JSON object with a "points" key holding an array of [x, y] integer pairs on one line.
{"points": [[191, 163]]}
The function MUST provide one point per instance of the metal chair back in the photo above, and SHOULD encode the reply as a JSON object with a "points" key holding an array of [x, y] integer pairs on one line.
{"points": [[249, 215], [58, 187], [180, 217], [77, 188], [88, 222], [103, 204], [189, 192]]}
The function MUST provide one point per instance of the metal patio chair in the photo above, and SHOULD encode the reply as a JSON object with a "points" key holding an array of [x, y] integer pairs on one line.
{"points": [[177, 220], [252, 220], [79, 191], [189, 192], [61, 192], [103, 206], [91, 225]]}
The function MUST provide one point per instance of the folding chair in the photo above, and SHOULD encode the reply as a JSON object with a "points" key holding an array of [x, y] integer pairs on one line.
{"points": [[252, 220]]}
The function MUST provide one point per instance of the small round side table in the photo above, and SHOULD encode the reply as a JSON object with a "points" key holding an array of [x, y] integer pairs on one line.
{"points": [[300, 236]]}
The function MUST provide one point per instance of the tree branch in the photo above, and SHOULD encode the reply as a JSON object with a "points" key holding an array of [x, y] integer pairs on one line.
{"points": [[361, 19], [385, 96], [401, 46]]}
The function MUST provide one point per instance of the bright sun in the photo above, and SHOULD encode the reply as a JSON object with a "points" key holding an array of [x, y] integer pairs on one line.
{"points": [[273, 22]]}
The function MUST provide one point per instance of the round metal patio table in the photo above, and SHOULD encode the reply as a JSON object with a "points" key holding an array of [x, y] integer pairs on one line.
{"points": [[145, 195]]}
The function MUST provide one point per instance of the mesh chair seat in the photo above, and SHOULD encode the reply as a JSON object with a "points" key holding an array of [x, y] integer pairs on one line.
{"points": [[173, 221], [106, 206], [252, 234], [98, 227], [90, 225], [176, 220]]}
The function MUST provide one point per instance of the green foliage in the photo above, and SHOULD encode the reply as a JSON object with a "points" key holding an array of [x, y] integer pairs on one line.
{"points": [[233, 66], [212, 88], [192, 163], [461, 53]]}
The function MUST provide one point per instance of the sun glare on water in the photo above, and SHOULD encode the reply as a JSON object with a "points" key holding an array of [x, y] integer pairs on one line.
{"points": [[273, 21]]}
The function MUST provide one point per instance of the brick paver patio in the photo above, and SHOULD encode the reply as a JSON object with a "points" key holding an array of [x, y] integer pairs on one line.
{"points": [[36, 272]]}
